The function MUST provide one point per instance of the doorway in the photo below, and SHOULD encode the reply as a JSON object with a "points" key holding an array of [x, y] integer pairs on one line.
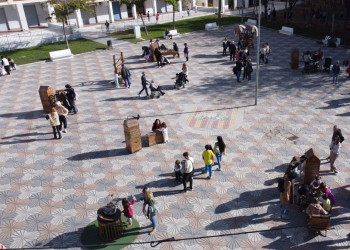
{"points": [[3, 21], [31, 15], [116, 10]]}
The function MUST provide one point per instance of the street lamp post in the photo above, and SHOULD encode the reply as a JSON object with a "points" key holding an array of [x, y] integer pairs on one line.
{"points": [[242, 10], [257, 57]]}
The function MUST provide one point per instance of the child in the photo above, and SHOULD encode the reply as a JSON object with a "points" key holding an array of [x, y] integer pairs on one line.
{"points": [[177, 170], [326, 203], [128, 210], [164, 130], [116, 79], [315, 184]]}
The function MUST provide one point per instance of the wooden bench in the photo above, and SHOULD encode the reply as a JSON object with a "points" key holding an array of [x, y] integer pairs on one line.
{"points": [[170, 52], [154, 138], [173, 33], [319, 223], [251, 21], [287, 31], [325, 41], [211, 26], [59, 54]]}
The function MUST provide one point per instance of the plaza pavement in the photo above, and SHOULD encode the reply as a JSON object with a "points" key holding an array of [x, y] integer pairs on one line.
{"points": [[51, 189]]}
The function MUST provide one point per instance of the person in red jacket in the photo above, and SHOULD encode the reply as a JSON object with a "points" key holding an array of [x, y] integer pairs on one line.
{"points": [[128, 210]]}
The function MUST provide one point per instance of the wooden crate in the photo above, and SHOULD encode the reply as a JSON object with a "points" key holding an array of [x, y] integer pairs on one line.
{"points": [[47, 98], [132, 135], [154, 138]]}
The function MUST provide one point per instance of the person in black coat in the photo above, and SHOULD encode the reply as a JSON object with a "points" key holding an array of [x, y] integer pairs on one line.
{"points": [[144, 83], [232, 48], [71, 96], [175, 48], [158, 55], [239, 66]]}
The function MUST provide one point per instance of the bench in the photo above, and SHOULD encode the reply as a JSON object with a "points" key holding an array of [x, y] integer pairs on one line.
{"points": [[170, 52], [173, 33], [251, 21], [59, 54], [286, 30], [211, 26], [154, 138], [319, 223]]}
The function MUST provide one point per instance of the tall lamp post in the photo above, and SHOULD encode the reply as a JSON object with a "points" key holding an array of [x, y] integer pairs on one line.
{"points": [[257, 57]]}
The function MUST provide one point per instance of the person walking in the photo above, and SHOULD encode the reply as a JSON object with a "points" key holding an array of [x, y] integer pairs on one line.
{"points": [[208, 157], [175, 48], [335, 71], [232, 48], [186, 51], [268, 52], [187, 171], [284, 186], [150, 208], [348, 70], [336, 132], [158, 55], [126, 76], [219, 149], [144, 83], [157, 18], [335, 151], [249, 69], [239, 66], [107, 26], [54, 122], [72, 97], [188, 11], [224, 46], [149, 19], [62, 114], [6, 64]]}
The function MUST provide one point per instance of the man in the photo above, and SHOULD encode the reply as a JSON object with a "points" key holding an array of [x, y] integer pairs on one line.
{"points": [[336, 71], [107, 25], [269, 14], [154, 87], [148, 16], [187, 171], [144, 83], [208, 157], [6, 64], [126, 76], [224, 46], [186, 51], [71, 96], [239, 69], [232, 49], [295, 164], [336, 132]]}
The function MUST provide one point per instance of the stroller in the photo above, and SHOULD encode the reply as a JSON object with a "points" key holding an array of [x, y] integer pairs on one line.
{"points": [[327, 64], [181, 80]]}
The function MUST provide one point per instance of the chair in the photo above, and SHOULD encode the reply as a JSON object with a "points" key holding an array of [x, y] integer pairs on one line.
{"points": [[319, 223]]}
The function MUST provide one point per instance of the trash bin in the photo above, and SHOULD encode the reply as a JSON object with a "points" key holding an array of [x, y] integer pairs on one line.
{"points": [[109, 43]]}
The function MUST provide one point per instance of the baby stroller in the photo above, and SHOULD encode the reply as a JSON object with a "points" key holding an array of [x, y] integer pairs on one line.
{"points": [[327, 64], [180, 80]]}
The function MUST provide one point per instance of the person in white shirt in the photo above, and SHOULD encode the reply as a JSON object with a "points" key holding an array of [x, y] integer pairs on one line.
{"points": [[164, 131], [6, 64], [187, 170], [62, 114], [335, 151]]}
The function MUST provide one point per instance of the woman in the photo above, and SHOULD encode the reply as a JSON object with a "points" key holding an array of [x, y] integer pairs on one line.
{"points": [[185, 71], [152, 209], [158, 55], [156, 125], [326, 190], [335, 151], [175, 48], [348, 70], [219, 149], [62, 114], [54, 122], [315, 209]]}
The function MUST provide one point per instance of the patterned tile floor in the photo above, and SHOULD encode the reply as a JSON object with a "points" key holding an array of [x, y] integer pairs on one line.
{"points": [[50, 190]]}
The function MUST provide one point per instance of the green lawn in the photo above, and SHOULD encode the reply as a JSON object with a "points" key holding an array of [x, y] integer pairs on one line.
{"points": [[182, 26], [41, 53]]}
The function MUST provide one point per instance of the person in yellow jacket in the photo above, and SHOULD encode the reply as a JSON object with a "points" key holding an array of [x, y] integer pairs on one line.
{"points": [[208, 157]]}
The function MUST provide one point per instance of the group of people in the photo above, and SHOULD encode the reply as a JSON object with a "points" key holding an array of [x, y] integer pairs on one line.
{"points": [[315, 193], [184, 169], [7, 65], [58, 114], [162, 127], [153, 87]]}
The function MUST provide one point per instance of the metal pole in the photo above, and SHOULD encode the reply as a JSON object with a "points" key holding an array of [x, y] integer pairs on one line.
{"points": [[257, 57]]}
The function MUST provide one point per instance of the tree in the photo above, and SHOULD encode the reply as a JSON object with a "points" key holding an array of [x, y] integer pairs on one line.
{"points": [[174, 4], [139, 4], [63, 8], [219, 10]]}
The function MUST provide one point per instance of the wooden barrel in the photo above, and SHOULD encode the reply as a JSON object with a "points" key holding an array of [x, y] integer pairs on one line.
{"points": [[294, 64]]}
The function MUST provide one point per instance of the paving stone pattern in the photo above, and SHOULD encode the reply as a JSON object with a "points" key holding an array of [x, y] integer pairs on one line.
{"points": [[51, 189]]}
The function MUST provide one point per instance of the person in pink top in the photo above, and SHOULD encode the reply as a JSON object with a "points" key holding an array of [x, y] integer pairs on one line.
{"points": [[128, 210]]}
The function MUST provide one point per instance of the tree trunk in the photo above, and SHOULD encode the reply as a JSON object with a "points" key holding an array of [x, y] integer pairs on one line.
{"points": [[173, 17], [219, 10], [65, 34], [333, 14], [144, 25]]}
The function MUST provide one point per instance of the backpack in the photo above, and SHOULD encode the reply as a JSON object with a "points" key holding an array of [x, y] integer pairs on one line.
{"points": [[280, 185], [217, 149]]}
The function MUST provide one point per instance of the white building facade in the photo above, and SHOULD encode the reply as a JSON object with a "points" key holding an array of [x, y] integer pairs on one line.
{"points": [[22, 15]]}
